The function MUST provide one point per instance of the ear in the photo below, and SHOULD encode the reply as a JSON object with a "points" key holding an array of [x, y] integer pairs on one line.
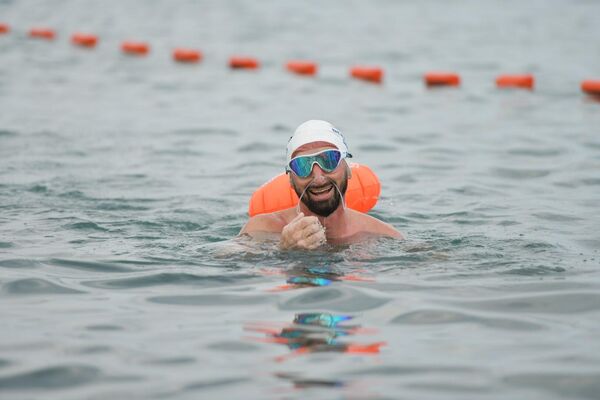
{"points": [[348, 169]]}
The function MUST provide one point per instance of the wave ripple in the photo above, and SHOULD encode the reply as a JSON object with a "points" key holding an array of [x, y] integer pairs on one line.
{"points": [[57, 377]]}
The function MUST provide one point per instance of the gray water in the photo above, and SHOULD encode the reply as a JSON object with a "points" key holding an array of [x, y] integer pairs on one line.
{"points": [[124, 181]]}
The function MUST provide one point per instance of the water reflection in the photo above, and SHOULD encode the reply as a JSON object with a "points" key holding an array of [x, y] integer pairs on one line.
{"points": [[305, 383], [315, 333], [299, 277], [593, 98]]}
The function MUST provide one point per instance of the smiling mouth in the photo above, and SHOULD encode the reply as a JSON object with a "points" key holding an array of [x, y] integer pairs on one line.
{"points": [[321, 190]]}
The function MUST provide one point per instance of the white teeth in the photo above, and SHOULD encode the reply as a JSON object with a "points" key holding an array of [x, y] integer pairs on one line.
{"points": [[319, 191]]}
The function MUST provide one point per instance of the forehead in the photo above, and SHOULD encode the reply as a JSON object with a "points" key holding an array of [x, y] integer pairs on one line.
{"points": [[313, 147]]}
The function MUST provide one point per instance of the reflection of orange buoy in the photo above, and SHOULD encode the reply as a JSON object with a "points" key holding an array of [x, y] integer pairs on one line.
{"points": [[441, 79], [243, 63], [187, 55], [4, 28], [591, 87], [135, 48], [365, 348], [371, 74], [519, 81], [42, 33], [302, 67], [84, 39]]}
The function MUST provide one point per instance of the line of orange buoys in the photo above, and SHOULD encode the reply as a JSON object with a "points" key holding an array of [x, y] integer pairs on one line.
{"points": [[373, 74]]}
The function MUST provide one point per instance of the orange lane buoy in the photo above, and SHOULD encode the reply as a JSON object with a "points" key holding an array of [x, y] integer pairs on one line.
{"points": [[236, 62], [4, 28], [42, 33], [516, 81], [591, 87], [441, 79], [302, 67], [277, 194], [135, 48], [371, 74], [84, 39], [187, 55]]}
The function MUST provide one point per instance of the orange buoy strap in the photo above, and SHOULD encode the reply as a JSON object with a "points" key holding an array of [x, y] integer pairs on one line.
{"points": [[277, 194]]}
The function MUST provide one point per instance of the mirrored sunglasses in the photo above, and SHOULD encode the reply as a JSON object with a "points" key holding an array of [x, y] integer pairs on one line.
{"points": [[328, 160]]}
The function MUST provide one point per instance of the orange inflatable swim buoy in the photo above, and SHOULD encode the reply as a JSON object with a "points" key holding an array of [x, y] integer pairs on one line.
{"points": [[4, 28], [277, 194]]}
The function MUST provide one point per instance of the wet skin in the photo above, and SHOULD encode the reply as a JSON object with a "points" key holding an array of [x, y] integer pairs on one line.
{"points": [[308, 229]]}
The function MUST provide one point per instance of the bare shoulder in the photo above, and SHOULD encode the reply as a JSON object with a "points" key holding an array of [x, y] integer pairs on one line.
{"points": [[376, 226], [272, 222]]}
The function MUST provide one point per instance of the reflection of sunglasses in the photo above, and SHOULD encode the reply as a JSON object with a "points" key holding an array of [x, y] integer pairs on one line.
{"points": [[321, 319], [328, 160]]}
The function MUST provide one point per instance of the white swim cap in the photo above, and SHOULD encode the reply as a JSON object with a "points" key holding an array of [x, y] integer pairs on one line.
{"points": [[316, 131]]}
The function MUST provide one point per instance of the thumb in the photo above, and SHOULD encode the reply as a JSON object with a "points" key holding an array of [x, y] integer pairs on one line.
{"points": [[298, 217]]}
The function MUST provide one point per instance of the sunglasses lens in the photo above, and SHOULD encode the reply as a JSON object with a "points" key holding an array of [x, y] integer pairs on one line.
{"points": [[301, 166], [328, 160]]}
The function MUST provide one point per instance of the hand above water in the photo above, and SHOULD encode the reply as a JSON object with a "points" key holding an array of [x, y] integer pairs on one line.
{"points": [[303, 233]]}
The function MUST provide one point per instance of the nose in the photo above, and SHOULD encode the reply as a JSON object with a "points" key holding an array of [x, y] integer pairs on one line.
{"points": [[318, 174]]}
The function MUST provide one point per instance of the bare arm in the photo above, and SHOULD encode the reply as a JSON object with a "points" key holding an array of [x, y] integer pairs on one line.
{"points": [[389, 230], [300, 233], [263, 223], [379, 227]]}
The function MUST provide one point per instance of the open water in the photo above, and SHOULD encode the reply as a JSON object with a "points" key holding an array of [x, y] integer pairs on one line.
{"points": [[124, 180]]}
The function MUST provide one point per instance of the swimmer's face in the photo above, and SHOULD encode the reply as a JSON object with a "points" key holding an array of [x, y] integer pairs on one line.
{"points": [[321, 196]]}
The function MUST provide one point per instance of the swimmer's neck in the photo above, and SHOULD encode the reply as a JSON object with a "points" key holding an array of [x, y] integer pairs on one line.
{"points": [[335, 224]]}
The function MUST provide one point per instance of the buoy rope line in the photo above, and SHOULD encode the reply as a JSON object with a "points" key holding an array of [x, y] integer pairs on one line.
{"points": [[372, 74]]}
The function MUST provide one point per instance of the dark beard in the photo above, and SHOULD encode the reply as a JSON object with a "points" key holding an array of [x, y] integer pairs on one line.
{"points": [[324, 208]]}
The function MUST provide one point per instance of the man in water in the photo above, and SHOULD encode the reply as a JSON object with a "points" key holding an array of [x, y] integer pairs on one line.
{"points": [[319, 173]]}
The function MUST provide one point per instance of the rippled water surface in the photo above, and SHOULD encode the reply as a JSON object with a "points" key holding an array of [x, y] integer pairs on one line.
{"points": [[123, 181]]}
